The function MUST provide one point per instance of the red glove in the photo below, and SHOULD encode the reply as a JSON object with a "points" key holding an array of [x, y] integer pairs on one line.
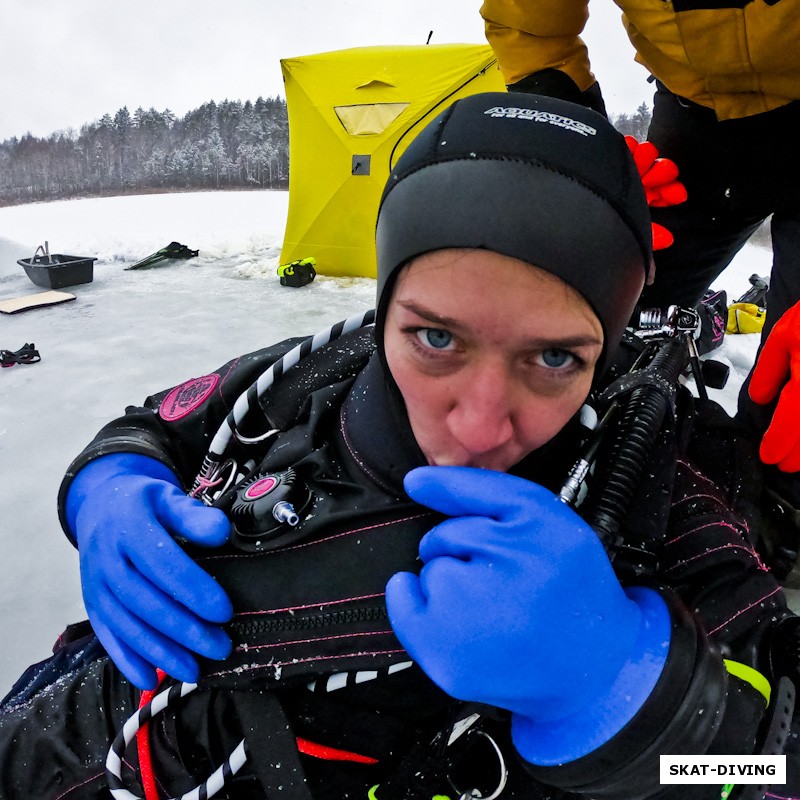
{"points": [[661, 185], [777, 371]]}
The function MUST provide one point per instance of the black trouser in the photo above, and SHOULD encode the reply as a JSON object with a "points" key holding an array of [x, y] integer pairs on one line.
{"points": [[57, 724], [737, 173]]}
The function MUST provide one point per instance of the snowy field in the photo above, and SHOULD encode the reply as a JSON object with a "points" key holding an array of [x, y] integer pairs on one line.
{"points": [[131, 333]]}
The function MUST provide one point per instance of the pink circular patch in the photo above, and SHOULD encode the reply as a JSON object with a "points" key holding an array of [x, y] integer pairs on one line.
{"points": [[184, 399], [260, 488]]}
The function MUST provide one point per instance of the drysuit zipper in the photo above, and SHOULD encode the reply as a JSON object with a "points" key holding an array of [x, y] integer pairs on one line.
{"points": [[247, 628]]}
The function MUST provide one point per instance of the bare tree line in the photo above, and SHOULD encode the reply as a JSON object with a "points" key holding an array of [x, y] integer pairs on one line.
{"points": [[217, 146]]}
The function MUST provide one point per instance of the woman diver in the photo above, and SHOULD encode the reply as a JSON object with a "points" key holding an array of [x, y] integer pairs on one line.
{"points": [[423, 616]]}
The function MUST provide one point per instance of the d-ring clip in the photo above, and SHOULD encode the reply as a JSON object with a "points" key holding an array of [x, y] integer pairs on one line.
{"points": [[475, 794]]}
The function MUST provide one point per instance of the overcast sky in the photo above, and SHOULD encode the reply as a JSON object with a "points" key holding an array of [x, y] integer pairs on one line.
{"points": [[66, 62]]}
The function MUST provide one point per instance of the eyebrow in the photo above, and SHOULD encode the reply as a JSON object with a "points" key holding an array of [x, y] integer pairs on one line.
{"points": [[450, 323]]}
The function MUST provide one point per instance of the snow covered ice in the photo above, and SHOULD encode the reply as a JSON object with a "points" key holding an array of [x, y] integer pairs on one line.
{"points": [[131, 333], [128, 334]]}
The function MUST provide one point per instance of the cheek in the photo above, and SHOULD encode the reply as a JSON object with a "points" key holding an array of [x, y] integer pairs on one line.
{"points": [[427, 402], [544, 417], [424, 397]]}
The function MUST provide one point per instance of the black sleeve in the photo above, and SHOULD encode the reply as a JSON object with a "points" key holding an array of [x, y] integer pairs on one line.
{"points": [[177, 425], [725, 606], [693, 708], [555, 83]]}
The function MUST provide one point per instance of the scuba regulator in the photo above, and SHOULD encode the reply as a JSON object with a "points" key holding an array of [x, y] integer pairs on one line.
{"points": [[634, 407]]}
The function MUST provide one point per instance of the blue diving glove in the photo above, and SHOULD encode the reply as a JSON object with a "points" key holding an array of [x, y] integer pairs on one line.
{"points": [[149, 603], [517, 606]]}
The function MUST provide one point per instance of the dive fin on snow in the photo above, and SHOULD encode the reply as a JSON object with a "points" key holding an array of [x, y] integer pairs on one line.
{"points": [[172, 250]]}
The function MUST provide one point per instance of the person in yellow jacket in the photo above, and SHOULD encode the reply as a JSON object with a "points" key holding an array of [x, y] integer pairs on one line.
{"points": [[739, 58], [726, 111]]}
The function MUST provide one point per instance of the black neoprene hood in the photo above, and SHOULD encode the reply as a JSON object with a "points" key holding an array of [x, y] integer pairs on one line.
{"points": [[542, 180]]}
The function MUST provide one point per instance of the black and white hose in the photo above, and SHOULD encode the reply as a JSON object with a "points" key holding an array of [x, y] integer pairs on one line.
{"points": [[207, 477], [207, 789]]}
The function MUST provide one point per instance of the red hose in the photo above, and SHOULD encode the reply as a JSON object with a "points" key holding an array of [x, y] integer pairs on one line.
{"points": [[143, 745], [147, 772], [331, 753]]}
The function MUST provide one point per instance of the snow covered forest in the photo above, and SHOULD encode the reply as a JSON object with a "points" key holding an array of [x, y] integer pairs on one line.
{"points": [[225, 145], [635, 124]]}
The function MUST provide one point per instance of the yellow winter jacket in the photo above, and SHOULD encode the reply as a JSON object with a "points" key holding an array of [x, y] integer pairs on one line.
{"points": [[738, 61]]}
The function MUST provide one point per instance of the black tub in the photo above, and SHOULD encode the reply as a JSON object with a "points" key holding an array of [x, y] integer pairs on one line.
{"points": [[57, 271]]}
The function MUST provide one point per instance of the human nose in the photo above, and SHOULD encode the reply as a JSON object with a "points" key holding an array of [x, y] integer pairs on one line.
{"points": [[481, 419]]}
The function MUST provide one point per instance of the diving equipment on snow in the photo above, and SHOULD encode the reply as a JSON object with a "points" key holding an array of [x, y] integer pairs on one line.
{"points": [[172, 250], [713, 311], [27, 354], [749, 313], [298, 273], [745, 318], [757, 293]]}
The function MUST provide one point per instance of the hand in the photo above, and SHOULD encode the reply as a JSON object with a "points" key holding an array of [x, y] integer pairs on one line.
{"points": [[149, 603], [661, 185], [659, 175], [517, 606], [777, 374]]}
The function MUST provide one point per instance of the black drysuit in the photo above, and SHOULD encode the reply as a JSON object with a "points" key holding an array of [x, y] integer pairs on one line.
{"points": [[315, 659]]}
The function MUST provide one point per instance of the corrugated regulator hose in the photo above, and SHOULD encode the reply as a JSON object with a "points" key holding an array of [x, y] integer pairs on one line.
{"points": [[638, 426]]}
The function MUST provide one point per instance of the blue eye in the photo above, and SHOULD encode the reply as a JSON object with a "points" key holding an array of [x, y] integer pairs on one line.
{"points": [[557, 359], [435, 337]]}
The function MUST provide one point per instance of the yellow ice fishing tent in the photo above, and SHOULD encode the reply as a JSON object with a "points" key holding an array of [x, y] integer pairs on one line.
{"points": [[351, 114]]}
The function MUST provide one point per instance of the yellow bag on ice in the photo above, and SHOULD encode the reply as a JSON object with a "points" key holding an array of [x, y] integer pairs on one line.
{"points": [[745, 318]]}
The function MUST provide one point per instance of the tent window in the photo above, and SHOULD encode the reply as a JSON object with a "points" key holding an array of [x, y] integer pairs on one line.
{"points": [[369, 119]]}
